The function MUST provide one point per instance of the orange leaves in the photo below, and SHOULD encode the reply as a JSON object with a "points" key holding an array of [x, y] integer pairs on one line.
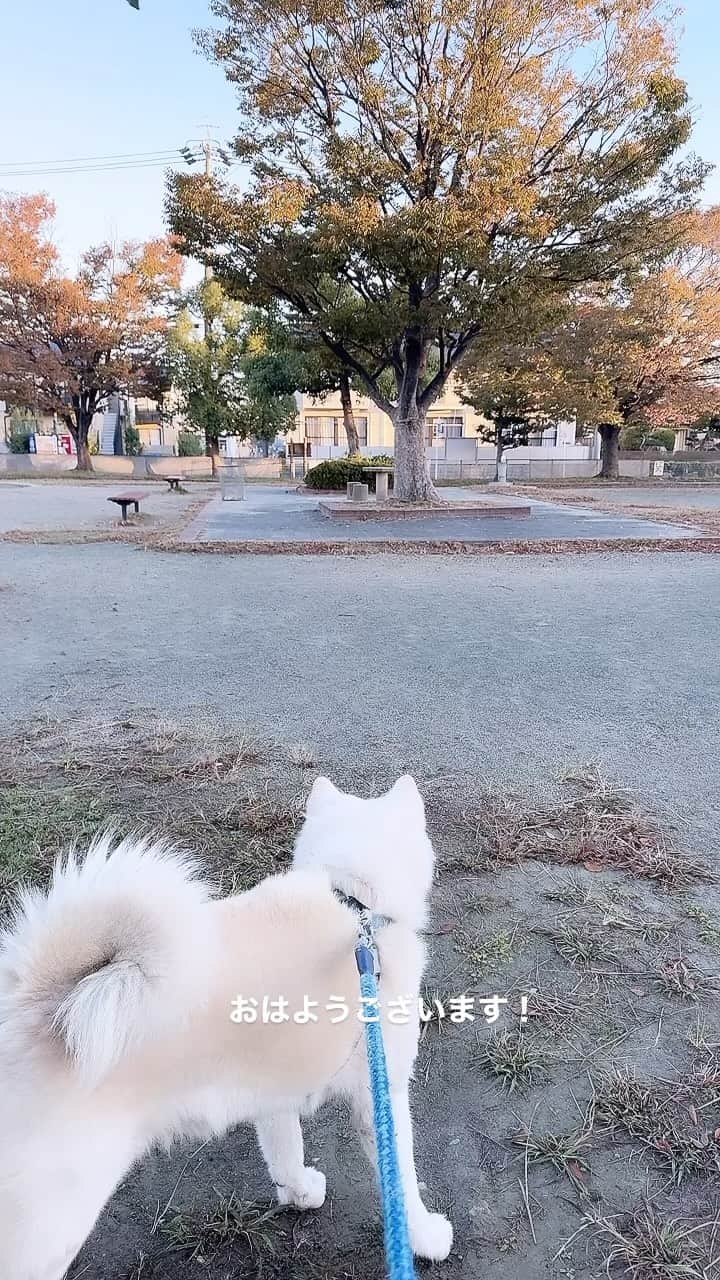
{"points": [[26, 250], [63, 337]]}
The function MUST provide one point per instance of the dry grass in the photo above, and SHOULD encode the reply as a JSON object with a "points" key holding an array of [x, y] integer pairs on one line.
{"points": [[235, 798], [672, 1119], [235, 1223], [564, 1152], [598, 826], [488, 952], [678, 976], [580, 943], [513, 1057], [648, 1247]]}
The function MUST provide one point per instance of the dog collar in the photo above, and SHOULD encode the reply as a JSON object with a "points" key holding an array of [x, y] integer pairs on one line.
{"points": [[366, 952]]}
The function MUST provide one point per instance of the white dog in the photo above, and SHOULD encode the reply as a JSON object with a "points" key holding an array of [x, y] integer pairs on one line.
{"points": [[120, 1024]]}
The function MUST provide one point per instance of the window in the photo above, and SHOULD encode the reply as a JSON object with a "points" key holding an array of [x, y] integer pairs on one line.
{"points": [[327, 429], [543, 439], [447, 427]]}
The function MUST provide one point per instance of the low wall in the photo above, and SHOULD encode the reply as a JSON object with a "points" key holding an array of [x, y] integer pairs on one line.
{"points": [[106, 464]]}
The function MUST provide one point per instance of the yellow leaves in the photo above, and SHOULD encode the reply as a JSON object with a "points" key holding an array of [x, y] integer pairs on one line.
{"points": [[283, 201], [359, 217], [257, 343]]}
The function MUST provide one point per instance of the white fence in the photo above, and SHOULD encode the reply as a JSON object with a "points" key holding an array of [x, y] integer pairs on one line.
{"points": [[524, 470]]}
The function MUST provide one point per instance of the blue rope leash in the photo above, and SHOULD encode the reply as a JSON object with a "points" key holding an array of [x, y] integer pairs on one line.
{"points": [[397, 1241]]}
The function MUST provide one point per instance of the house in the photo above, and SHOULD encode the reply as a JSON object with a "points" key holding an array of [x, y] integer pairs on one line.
{"points": [[452, 428]]}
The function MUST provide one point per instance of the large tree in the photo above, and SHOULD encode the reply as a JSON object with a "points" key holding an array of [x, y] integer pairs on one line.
{"points": [[441, 160], [68, 343]]}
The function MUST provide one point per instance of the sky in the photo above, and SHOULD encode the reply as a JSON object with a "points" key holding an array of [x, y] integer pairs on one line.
{"points": [[95, 78]]}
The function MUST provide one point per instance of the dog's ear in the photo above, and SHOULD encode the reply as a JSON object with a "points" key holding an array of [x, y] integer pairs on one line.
{"points": [[405, 792], [321, 793]]}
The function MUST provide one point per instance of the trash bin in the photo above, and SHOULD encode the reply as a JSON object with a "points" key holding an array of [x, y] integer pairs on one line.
{"points": [[232, 481]]}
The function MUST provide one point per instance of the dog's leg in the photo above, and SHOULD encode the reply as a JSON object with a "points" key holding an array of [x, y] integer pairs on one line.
{"points": [[281, 1143], [431, 1234]]}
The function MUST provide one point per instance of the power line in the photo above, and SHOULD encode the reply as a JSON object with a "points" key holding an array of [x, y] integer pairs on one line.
{"points": [[122, 155], [102, 168], [99, 164]]}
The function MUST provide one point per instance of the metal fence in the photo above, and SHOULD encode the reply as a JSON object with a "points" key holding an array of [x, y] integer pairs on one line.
{"points": [[527, 469]]}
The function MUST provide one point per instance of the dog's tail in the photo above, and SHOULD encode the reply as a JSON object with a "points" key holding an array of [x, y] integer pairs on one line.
{"points": [[103, 959]]}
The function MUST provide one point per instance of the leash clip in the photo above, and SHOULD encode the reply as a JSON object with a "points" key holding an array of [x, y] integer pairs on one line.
{"points": [[366, 952]]}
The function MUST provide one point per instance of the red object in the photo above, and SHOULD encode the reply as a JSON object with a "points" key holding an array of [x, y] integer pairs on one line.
{"points": [[65, 443]]}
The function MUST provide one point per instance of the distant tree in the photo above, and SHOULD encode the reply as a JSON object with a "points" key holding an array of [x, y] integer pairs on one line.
{"points": [[439, 163], [133, 442], [518, 388], [303, 363], [647, 354], [69, 343], [226, 381]]}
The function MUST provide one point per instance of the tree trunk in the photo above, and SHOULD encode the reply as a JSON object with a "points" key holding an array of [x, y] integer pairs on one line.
{"points": [[609, 451], [212, 451], [84, 461], [499, 450], [79, 425], [351, 431], [412, 481], [412, 472]]}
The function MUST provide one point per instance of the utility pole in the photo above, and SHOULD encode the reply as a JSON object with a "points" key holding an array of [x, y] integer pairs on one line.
{"points": [[208, 150]]}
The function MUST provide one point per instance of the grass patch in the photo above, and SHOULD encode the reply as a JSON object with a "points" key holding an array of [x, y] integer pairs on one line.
{"points": [[252, 1228], [564, 1152], [598, 826], [671, 1118], [707, 926], [649, 1247], [680, 977], [38, 824], [511, 1056], [579, 943], [234, 798], [487, 952]]}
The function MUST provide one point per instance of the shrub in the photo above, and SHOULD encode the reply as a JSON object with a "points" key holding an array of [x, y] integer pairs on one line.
{"points": [[189, 445], [133, 446], [638, 437], [335, 473], [662, 439], [19, 440]]}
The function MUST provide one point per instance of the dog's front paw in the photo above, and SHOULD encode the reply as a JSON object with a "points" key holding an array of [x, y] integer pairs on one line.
{"points": [[432, 1237], [309, 1193]]}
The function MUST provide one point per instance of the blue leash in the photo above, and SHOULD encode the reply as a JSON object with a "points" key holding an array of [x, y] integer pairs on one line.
{"points": [[398, 1253]]}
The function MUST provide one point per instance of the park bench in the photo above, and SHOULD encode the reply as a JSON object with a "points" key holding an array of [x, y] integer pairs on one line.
{"points": [[125, 500], [174, 482]]}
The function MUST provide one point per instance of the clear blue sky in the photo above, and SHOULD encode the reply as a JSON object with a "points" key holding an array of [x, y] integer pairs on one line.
{"points": [[96, 78]]}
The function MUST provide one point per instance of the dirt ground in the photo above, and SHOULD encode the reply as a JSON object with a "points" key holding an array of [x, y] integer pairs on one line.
{"points": [[587, 1137]]}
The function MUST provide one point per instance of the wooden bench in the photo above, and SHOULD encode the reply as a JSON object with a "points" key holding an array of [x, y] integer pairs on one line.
{"points": [[125, 500]]}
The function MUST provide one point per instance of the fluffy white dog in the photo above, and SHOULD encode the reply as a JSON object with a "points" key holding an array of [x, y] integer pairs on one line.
{"points": [[120, 1024]]}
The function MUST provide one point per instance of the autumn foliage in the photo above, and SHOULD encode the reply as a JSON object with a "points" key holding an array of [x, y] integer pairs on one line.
{"points": [[426, 172], [67, 343]]}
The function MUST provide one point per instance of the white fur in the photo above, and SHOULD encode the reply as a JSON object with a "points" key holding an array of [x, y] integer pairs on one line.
{"points": [[115, 993]]}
